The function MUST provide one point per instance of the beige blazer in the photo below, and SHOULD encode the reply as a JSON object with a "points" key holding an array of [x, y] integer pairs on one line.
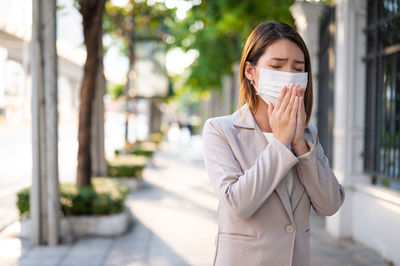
{"points": [[258, 223]]}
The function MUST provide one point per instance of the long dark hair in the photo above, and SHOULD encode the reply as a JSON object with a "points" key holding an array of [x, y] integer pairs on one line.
{"points": [[259, 40]]}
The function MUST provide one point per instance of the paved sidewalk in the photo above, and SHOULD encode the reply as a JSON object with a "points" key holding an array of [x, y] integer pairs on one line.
{"points": [[175, 222]]}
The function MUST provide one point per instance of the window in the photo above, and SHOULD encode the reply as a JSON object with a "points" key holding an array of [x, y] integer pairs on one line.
{"points": [[382, 127]]}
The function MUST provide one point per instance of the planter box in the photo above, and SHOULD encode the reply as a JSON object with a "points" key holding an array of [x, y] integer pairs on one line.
{"points": [[82, 226], [131, 182]]}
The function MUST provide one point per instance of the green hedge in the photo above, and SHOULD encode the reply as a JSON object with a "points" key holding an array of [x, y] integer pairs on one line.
{"points": [[146, 149], [126, 166], [23, 201], [140, 148], [156, 137], [146, 153], [104, 197]]}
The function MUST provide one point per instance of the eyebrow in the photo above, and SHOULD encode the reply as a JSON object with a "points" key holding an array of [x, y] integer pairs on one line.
{"points": [[285, 59]]}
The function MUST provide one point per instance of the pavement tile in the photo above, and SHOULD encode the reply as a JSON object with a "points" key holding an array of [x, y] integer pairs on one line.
{"points": [[38, 253], [9, 261], [167, 261]]}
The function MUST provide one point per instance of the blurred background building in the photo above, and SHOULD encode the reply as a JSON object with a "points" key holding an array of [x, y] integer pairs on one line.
{"points": [[15, 75]]}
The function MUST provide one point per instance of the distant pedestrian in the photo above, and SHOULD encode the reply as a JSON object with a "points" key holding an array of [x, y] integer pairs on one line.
{"points": [[265, 161], [190, 127]]}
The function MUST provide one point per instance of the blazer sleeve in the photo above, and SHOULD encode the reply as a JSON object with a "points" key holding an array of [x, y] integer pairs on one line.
{"points": [[321, 184], [243, 191]]}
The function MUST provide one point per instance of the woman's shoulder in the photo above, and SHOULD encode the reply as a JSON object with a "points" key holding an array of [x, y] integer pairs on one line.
{"points": [[220, 124], [224, 121]]}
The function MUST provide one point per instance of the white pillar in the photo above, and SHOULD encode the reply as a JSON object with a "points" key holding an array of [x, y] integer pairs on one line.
{"points": [[349, 107], [307, 16], [226, 94], [44, 195]]}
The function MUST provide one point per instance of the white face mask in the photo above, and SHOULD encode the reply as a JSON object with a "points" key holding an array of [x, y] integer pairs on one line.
{"points": [[271, 83]]}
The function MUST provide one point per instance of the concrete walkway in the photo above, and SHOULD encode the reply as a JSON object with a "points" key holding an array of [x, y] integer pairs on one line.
{"points": [[175, 213]]}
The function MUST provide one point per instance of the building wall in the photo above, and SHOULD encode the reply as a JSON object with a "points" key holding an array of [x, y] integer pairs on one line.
{"points": [[370, 214], [225, 101], [376, 220]]}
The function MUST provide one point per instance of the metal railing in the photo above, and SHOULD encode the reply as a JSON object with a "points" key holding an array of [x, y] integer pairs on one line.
{"points": [[382, 131]]}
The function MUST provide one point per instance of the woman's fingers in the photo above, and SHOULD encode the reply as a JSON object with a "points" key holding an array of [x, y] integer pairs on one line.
{"points": [[301, 116], [270, 109], [302, 91], [286, 99], [291, 101], [283, 93], [293, 112], [302, 107]]}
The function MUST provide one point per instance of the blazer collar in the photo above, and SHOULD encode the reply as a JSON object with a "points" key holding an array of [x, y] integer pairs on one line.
{"points": [[244, 118]]}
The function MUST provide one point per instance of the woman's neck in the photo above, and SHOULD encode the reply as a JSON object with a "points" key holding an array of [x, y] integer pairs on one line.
{"points": [[261, 117]]}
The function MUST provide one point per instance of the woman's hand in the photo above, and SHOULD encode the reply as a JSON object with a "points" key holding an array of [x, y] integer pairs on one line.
{"points": [[282, 117], [299, 145]]}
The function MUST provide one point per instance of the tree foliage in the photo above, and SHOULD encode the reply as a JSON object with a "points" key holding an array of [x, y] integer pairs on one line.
{"points": [[138, 21], [217, 30]]}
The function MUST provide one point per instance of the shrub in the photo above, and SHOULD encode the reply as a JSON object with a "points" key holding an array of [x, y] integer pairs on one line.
{"points": [[116, 91], [156, 137], [139, 148], [145, 153], [126, 166], [23, 201], [105, 196], [146, 149]]}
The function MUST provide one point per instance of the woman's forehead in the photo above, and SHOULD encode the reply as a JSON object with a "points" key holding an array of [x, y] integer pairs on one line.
{"points": [[283, 49]]}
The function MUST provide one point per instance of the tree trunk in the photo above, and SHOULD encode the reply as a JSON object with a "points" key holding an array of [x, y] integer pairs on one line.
{"points": [[92, 12], [130, 87], [155, 117], [99, 166]]}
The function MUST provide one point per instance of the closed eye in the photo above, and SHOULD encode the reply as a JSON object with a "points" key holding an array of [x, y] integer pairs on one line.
{"points": [[277, 67]]}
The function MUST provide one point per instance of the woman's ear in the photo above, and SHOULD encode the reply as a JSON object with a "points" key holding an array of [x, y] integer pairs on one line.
{"points": [[248, 71]]}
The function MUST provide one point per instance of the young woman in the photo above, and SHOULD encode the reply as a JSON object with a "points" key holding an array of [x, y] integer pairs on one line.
{"points": [[265, 161]]}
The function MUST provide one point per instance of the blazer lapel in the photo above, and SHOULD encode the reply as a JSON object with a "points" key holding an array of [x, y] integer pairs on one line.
{"points": [[298, 188], [256, 142], [283, 195], [297, 191]]}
